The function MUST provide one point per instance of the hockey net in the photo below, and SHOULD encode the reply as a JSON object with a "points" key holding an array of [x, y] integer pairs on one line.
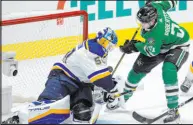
{"points": [[39, 41]]}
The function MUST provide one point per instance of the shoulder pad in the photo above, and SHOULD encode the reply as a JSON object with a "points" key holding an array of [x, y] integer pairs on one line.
{"points": [[95, 48]]}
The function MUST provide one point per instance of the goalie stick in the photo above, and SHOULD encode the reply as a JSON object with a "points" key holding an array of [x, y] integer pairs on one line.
{"points": [[143, 119]]}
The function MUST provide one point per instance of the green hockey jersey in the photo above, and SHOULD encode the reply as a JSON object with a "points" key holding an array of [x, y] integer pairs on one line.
{"points": [[166, 33]]}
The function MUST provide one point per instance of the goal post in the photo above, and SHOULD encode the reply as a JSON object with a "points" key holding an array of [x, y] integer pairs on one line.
{"points": [[38, 42]]}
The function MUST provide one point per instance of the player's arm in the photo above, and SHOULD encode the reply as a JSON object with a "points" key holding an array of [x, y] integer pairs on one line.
{"points": [[165, 4], [102, 78], [151, 47]]}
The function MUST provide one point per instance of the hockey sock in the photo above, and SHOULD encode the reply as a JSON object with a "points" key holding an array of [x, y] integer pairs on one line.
{"points": [[169, 74], [132, 82]]}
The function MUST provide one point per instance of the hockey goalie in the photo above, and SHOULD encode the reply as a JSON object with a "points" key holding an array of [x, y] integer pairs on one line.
{"points": [[68, 94]]}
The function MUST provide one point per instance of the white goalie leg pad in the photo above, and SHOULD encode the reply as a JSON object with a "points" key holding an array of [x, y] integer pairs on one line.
{"points": [[53, 113], [46, 112], [23, 115]]}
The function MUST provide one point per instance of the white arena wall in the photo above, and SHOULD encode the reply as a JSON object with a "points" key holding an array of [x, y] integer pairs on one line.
{"points": [[119, 15]]}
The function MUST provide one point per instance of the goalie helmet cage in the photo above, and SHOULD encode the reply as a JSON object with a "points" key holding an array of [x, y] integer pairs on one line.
{"points": [[39, 41]]}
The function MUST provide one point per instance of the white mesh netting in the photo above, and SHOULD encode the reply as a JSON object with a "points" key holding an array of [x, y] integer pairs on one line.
{"points": [[38, 45]]}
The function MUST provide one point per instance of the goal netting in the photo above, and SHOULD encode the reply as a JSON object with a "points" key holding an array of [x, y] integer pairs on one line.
{"points": [[39, 40]]}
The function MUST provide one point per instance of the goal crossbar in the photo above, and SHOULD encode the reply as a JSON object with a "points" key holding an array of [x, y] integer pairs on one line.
{"points": [[50, 17]]}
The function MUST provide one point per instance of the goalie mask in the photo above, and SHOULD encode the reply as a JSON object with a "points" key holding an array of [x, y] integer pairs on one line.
{"points": [[107, 38]]}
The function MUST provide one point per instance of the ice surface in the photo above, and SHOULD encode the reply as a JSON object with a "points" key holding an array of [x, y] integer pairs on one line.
{"points": [[149, 102]]}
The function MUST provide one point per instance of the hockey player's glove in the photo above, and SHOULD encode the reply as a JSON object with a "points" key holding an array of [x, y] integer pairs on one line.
{"points": [[101, 96], [129, 46], [112, 102]]}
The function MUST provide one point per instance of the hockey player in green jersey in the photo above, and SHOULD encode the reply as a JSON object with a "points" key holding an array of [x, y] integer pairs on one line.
{"points": [[165, 41]]}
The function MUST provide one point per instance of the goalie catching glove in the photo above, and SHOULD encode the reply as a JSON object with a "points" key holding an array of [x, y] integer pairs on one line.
{"points": [[129, 46], [112, 101], [101, 96]]}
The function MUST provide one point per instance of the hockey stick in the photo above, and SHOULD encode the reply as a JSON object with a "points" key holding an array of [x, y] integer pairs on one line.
{"points": [[124, 53], [99, 106], [95, 113], [120, 94], [142, 119]]}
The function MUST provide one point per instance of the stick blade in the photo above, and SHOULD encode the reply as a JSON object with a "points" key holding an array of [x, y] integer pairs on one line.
{"points": [[140, 118]]}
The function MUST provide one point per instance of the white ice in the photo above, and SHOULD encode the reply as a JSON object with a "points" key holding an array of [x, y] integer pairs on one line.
{"points": [[149, 101]]}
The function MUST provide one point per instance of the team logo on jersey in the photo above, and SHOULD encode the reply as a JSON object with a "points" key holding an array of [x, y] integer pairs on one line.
{"points": [[140, 62], [151, 41], [151, 49]]}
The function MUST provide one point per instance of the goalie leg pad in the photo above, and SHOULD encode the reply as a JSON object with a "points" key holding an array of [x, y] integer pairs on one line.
{"points": [[44, 112], [49, 112], [58, 86]]}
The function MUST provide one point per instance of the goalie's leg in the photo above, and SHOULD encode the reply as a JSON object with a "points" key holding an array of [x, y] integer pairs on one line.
{"points": [[42, 112], [58, 86], [53, 103], [81, 104]]}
